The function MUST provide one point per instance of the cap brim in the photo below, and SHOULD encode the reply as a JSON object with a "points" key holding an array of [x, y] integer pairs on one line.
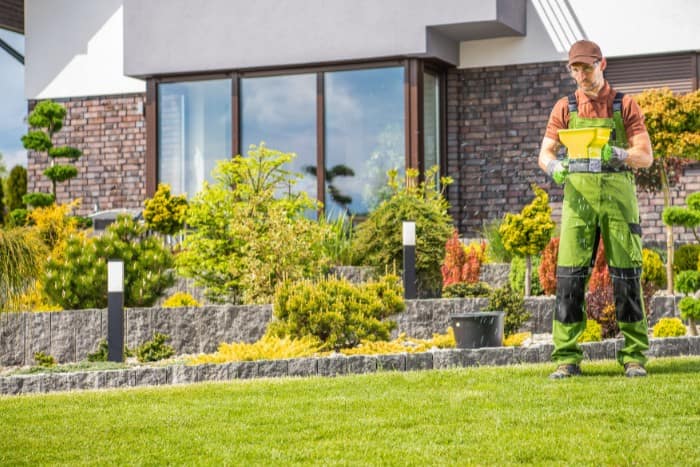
{"points": [[587, 59]]}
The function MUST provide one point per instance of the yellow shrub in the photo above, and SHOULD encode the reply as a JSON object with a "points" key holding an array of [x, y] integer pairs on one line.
{"points": [[54, 224], [267, 348], [593, 332], [669, 327], [403, 344], [479, 248], [180, 299], [517, 339]]}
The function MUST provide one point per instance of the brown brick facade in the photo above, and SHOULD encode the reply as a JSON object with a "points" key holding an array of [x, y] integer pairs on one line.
{"points": [[495, 122], [111, 132]]}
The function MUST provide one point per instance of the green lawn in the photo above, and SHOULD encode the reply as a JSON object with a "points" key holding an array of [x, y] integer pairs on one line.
{"points": [[490, 415]]}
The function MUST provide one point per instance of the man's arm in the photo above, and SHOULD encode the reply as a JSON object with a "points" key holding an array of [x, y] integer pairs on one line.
{"points": [[640, 155], [548, 152]]}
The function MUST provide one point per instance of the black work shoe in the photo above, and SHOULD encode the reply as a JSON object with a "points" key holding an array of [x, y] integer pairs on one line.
{"points": [[566, 371], [634, 370]]}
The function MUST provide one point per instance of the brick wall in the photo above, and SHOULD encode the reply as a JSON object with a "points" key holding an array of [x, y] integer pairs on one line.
{"points": [[495, 122], [111, 132]]}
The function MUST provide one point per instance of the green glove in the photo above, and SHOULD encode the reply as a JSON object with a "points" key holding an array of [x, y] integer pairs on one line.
{"points": [[614, 156], [557, 171]]}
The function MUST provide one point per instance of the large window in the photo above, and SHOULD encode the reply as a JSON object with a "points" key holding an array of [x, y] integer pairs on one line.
{"points": [[364, 136], [347, 126], [194, 131], [281, 111]]}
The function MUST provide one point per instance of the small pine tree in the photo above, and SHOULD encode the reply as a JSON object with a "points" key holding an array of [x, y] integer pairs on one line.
{"points": [[46, 120], [165, 213], [16, 188], [527, 233]]}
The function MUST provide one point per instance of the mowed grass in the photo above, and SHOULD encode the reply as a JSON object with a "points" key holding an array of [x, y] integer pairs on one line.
{"points": [[488, 415]]}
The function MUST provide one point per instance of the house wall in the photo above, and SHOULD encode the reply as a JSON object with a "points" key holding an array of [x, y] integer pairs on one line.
{"points": [[495, 123], [111, 132]]}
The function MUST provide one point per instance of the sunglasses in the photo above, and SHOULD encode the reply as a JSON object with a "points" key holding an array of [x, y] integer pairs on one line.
{"points": [[584, 68]]}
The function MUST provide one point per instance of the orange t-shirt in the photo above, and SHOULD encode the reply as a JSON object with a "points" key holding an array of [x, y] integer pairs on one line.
{"points": [[596, 107]]}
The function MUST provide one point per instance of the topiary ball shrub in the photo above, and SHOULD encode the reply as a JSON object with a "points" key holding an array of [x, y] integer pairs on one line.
{"points": [[685, 258], [669, 327], [653, 269]]}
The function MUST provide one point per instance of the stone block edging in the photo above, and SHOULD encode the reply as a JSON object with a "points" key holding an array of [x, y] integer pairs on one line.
{"points": [[335, 365]]}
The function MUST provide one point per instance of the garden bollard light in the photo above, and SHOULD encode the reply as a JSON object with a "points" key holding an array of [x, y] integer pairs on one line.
{"points": [[409, 259], [115, 310]]}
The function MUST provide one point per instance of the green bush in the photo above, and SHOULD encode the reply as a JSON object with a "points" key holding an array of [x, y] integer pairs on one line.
{"points": [[653, 269], [669, 327], [339, 314], [687, 282], [685, 258], [496, 252], [44, 359], [378, 240], [466, 289], [165, 213], [516, 276], [38, 200], [592, 333], [156, 349], [102, 352], [16, 188], [513, 303], [245, 238], [78, 279], [690, 308]]}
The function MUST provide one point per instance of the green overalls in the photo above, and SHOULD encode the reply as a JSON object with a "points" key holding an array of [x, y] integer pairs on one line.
{"points": [[599, 201]]}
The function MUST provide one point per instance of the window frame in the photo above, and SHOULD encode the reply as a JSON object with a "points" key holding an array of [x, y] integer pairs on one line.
{"points": [[413, 109]]}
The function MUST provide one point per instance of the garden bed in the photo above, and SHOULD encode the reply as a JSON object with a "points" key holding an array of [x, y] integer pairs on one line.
{"points": [[335, 365]]}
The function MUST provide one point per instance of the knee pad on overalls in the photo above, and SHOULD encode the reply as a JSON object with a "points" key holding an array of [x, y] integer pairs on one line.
{"points": [[627, 290], [571, 292]]}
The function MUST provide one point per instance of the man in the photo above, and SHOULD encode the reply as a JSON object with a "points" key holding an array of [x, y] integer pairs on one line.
{"points": [[600, 201]]}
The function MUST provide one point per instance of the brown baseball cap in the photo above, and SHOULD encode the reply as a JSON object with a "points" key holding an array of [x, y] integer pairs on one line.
{"points": [[584, 51]]}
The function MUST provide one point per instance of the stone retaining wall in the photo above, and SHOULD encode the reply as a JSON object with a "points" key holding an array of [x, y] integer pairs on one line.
{"points": [[70, 335], [336, 365]]}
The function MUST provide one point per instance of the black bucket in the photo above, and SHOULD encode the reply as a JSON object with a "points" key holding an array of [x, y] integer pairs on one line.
{"points": [[479, 329]]}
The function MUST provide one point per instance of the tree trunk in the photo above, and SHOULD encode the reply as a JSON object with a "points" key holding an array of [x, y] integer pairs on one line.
{"points": [[692, 327], [669, 232], [528, 274]]}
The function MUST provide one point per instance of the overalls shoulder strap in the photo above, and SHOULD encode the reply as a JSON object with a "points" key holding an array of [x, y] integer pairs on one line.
{"points": [[573, 110]]}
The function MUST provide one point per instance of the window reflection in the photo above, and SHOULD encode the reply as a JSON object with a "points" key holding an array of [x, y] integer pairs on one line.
{"points": [[431, 121], [194, 131], [364, 135], [281, 111]]}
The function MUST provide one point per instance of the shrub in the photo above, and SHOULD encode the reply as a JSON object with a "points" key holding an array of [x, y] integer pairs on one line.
{"points": [[687, 282], [690, 310], [267, 348], [16, 188], [495, 249], [180, 299], [513, 304], [465, 289], [102, 352], [337, 246], [165, 213], [592, 333], [517, 339], [455, 258], [516, 276], [685, 258], [378, 240], [79, 279], [527, 233], [336, 312], [154, 350], [244, 240], [653, 269], [669, 327], [21, 257], [17, 218], [403, 344], [547, 272], [44, 359]]}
